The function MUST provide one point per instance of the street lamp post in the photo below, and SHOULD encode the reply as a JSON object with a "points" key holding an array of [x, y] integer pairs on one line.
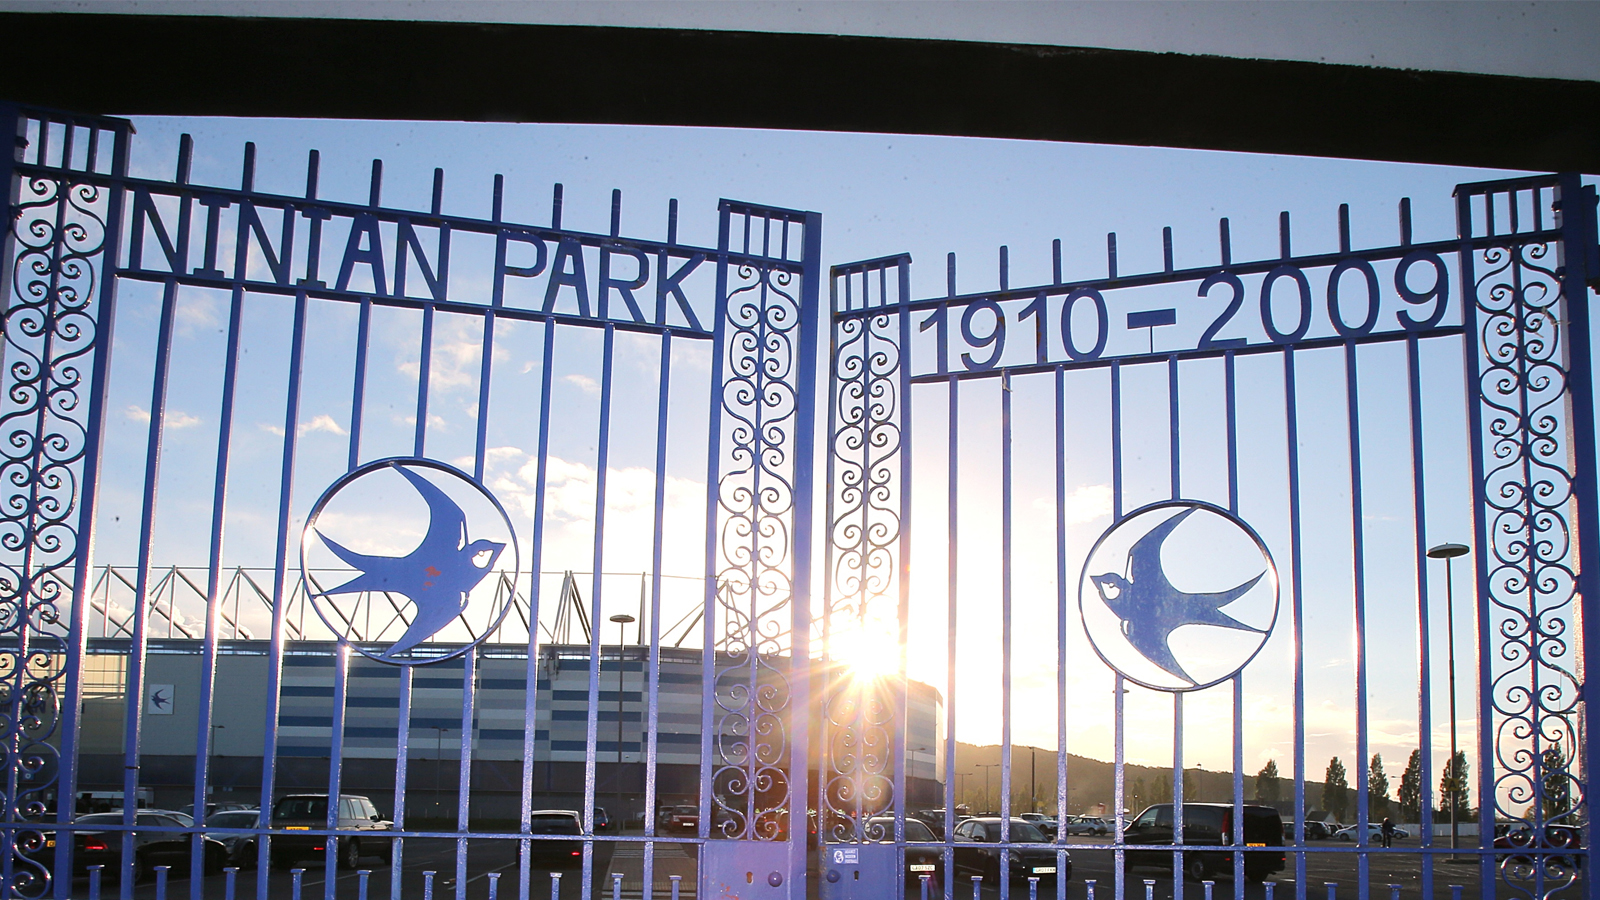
{"points": [[438, 767], [622, 620], [986, 767], [211, 755], [1449, 552]]}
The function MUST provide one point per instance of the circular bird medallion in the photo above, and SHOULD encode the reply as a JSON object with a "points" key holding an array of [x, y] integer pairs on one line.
{"points": [[409, 561], [1179, 595]]}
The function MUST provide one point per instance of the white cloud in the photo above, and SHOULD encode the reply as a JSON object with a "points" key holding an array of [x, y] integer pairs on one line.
{"points": [[175, 418], [584, 383], [1085, 503], [323, 422]]}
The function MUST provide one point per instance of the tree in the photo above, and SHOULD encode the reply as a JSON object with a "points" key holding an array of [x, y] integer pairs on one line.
{"points": [[1377, 788], [1557, 783], [1135, 795], [1335, 790], [1410, 798], [1269, 788], [1454, 785]]}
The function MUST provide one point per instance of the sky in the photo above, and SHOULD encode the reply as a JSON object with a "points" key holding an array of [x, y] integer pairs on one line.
{"points": [[878, 195]]}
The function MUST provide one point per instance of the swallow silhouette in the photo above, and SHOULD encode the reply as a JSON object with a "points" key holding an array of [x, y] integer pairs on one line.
{"points": [[436, 577], [1151, 608], [158, 701]]}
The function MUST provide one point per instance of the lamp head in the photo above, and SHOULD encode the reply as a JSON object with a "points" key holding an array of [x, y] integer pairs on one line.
{"points": [[623, 618], [1448, 551]]}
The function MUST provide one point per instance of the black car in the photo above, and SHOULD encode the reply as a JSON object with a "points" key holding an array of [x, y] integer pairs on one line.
{"points": [[150, 848], [305, 812], [920, 861], [556, 854], [978, 851], [1208, 824]]}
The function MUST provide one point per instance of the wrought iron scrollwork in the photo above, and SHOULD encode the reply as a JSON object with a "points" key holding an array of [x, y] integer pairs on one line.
{"points": [[58, 245], [751, 795], [1528, 562], [864, 535]]}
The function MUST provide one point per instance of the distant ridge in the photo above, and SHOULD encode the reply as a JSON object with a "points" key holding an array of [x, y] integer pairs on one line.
{"points": [[1091, 782]]}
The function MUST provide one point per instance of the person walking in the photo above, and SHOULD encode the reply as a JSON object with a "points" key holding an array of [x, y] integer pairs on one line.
{"points": [[1388, 832]]}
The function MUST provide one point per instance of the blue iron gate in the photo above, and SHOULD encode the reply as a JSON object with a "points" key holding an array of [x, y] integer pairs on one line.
{"points": [[249, 637], [221, 541], [1321, 394]]}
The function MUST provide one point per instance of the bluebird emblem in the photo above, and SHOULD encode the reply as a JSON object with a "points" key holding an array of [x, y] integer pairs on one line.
{"points": [[1145, 607], [438, 577]]}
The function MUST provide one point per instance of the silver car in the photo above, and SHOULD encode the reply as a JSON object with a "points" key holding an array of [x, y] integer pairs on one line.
{"points": [[241, 847]]}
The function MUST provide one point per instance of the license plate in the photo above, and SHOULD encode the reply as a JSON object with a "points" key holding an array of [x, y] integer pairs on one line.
{"points": [[922, 867], [1254, 844], [297, 828], [1044, 870]]}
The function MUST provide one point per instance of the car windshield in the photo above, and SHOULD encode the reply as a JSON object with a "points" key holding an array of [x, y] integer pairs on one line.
{"points": [[102, 819], [554, 825], [916, 830], [1021, 832], [301, 808], [233, 820]]}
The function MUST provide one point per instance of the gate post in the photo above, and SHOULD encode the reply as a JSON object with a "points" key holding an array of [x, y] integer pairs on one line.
{"points": [[755, 741], [1578, 242], [63, 213]]}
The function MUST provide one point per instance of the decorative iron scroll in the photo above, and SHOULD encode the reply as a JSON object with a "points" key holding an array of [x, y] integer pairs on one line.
{"points": [[865, 530], [1528, 567], [758, 511], [56, 251]]}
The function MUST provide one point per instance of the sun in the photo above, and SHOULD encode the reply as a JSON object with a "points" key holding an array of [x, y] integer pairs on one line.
{"points": [[866, 649]]}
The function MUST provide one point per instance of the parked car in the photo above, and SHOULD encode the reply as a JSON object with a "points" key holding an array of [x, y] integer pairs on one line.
{"points": [[241, 847], [183, 818], [1208, 824], [935, 818], [683, 820], [978, 851], [305, 812], [150, 848], [1316, 830], [1556, 837], [1043, 822], [1374, 832], [556, 853], [602, 822], [920, 861], [188, 809], [1087, 825]]}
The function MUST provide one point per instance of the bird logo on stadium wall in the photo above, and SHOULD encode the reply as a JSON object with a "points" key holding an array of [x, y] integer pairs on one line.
{"points": [[440, 576], [1130, 601]]}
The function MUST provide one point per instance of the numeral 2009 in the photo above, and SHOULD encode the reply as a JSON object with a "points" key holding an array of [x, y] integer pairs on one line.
{"points": [[983, 322]]}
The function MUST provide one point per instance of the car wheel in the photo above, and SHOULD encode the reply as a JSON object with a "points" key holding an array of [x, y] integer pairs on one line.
{"points": [[1195, 869], [350, 854]]}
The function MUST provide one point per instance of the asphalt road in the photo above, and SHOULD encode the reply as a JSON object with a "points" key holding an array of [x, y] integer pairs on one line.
{"points": [[1091, 858]]}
